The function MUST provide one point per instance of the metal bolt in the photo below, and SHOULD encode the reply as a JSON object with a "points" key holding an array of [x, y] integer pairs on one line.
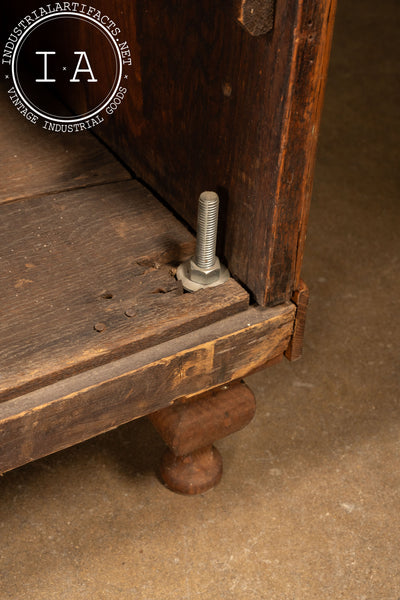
{"points": [[204, 268], [207, 225]]}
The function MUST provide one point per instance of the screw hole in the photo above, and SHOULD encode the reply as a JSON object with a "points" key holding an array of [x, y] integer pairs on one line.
{"points": [[107, 295]]}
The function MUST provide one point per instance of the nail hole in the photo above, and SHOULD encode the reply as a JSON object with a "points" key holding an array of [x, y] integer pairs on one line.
{"points": [[107, 295]]}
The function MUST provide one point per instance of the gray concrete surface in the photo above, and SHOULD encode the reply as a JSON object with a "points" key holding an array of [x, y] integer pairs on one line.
{"points": [[309, 507]]}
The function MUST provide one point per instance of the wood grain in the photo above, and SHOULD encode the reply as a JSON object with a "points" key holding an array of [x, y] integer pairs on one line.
{"points": [[34, 161], [300, 298], [74, 260], [211, 107], [84, 405]]}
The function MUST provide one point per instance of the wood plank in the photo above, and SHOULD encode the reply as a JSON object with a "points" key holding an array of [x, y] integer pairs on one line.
{"points": [[75, 265], [305, 94], [34, 161], [300, 298], [210, 106], [84, 405]]}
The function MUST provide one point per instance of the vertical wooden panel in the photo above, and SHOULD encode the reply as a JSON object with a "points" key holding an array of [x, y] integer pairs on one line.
{"points": [[210, 106]]}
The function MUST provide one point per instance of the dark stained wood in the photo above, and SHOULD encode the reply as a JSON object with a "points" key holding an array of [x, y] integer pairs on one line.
{"points": [[96, 331], [188, 425], [300, 299], [209, 106], [194, 473], [34, 161], [84, 405], [191, 464], [88, 276]]}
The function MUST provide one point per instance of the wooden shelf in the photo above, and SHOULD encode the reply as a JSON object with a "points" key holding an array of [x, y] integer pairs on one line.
{"points": [[96, 329], [35, 161], [84, 405], [81, 261]]}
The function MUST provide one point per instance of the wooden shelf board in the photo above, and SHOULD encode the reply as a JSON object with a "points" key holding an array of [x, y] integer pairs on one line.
{"points": [[35, 161], [76, 259], [87, 404]]}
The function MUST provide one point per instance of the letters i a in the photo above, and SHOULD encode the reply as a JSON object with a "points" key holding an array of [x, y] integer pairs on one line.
{"points": [[78, 69]]}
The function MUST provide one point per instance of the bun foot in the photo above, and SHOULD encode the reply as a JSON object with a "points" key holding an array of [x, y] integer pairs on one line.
{"points": [[191, 464], [194, 473]]}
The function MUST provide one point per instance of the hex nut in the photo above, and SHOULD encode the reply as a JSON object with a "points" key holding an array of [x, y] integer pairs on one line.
{"points": [[204, 276], [184, 273]]}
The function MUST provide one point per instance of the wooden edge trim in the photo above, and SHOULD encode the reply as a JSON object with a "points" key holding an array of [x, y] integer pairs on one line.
{"points": [[85, 405], [300, 298]]}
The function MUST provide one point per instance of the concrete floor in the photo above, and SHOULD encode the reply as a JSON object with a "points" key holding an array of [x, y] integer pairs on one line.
{"points": [[309, 505]]}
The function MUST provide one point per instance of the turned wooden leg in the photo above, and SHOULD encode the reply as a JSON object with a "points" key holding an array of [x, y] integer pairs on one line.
{"points": [[191, 464]]}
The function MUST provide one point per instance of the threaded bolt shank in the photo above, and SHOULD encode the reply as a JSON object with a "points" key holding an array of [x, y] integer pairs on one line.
{"points": [[207, 225]]}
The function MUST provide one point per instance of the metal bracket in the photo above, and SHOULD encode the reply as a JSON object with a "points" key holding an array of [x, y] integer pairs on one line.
{"points": [[257, 16]]}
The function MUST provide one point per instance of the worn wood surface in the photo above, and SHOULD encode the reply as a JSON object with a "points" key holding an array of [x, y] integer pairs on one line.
{"points": [[34, 161], [209, 106], [188, 425], [87, 404], [87, 277], [300, 299]]}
